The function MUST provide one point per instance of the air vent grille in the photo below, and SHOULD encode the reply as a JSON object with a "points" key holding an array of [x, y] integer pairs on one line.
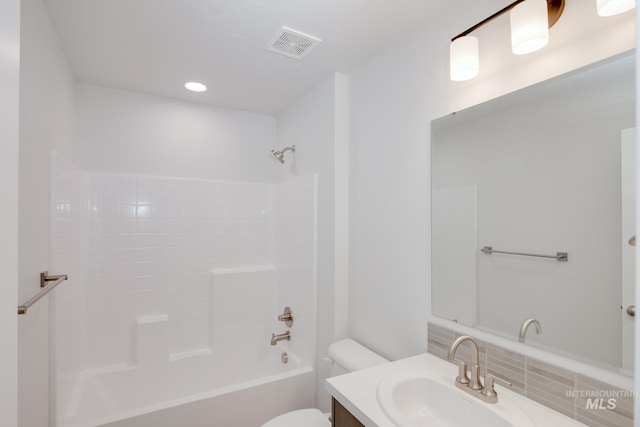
{"points": [[292, 43]]}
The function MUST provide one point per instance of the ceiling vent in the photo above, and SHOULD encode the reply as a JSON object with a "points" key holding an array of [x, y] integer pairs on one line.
{"points": [[292, 43]]}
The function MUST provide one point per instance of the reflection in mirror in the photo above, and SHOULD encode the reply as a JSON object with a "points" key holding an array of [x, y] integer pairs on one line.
{"points": [[542, 171]]}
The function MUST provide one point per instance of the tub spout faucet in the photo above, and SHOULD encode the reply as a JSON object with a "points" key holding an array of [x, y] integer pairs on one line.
{"points": [[281, 337]]}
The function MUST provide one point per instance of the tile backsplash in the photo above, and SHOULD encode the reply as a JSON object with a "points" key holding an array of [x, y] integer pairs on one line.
{"points": [[577, 396]]}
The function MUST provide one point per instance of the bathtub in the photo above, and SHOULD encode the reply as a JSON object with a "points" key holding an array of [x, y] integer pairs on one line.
{"points": [[192, 392], [236, 380]]}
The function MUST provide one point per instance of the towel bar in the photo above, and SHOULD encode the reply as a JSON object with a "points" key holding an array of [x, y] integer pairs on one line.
{"points": [[559, 256], [47, 283]]}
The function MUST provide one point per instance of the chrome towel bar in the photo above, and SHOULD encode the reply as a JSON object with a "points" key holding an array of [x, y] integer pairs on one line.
{"points": [[559, 256], [47, 283]]}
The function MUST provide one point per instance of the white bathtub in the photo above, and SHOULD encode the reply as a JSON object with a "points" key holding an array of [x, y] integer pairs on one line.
{"points": [[193, 392], [236, 380]]}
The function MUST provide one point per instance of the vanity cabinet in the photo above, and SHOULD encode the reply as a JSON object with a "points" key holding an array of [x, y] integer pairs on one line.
{"points": [[341, 417]]}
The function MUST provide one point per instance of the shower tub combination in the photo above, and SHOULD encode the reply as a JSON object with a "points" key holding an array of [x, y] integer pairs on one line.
{"points": [[175, 289]]}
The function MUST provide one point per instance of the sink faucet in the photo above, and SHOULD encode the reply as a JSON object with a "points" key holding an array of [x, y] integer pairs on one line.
{"points": [[525, 326], [281, 337], [474, 381], [472, 385]]}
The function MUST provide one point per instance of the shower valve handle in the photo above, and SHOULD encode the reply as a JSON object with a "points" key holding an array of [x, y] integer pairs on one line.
{"points": [[286, 317]]}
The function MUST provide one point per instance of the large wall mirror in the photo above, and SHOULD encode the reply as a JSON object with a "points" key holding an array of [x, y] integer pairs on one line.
{"points": [[544, 171]]}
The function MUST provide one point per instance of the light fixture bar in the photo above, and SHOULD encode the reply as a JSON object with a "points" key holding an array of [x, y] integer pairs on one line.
{"points": [[489, 19], [556, 7]]}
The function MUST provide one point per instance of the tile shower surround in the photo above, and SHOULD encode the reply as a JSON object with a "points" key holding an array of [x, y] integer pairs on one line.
{"points": [[546, 384], [152, 245]]}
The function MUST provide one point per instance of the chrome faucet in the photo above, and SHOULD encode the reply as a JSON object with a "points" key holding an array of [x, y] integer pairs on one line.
{"points": [[525, 326], [473, 386], [281, 337]]}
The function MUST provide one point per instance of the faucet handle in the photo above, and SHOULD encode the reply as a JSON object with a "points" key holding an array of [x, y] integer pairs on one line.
{"points": [[462, 372], [489, 380], [286, 317]]}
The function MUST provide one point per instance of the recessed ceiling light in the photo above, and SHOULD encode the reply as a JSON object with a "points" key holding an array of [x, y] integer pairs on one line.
{"points": [[195, 86]]}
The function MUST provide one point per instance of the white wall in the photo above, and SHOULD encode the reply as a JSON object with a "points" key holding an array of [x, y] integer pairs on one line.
{"points": [[393, 98], [132, 133], [341, 208], [9, 83], [310, 124], [46, 123]]}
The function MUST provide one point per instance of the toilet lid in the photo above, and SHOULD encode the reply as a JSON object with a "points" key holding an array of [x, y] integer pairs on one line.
{"points": [[302, 417]]}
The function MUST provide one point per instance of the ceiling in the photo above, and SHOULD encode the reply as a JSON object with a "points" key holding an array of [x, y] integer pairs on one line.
{"points": [[155, 46]]}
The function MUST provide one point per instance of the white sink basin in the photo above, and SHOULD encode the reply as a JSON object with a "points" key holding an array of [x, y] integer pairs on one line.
{"points": [[419, 398]]}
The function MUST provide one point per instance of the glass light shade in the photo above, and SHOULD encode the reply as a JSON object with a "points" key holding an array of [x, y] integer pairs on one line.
{"points": [[529, 26], [464, 62], [614, 7]]}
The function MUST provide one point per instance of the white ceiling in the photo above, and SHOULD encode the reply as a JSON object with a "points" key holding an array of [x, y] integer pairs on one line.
{"points": [[155, 46]]}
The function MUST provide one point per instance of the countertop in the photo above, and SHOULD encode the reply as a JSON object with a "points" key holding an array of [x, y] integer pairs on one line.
{"points": [[357, 392]]}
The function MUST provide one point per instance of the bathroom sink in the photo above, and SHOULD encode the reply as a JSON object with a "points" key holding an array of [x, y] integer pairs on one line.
{"points": [[419, 398]]}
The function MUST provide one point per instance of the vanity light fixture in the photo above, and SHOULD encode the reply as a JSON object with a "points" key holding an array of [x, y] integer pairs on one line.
{"points": [[529, 26], [614, 7], [530, 23], [195, 87], [465, 62]]}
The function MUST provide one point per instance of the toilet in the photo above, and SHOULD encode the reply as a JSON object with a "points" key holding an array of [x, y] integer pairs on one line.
{"points": [[346, 356]]}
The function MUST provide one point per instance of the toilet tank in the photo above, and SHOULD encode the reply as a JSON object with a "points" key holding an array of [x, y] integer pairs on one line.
{"points": [[348, 356]]}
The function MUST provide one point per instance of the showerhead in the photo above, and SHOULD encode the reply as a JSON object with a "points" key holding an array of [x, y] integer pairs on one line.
{"points": [[279, 155]]}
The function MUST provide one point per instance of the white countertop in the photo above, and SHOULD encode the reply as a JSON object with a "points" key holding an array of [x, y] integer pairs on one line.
{"points": [[357, 392]]}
